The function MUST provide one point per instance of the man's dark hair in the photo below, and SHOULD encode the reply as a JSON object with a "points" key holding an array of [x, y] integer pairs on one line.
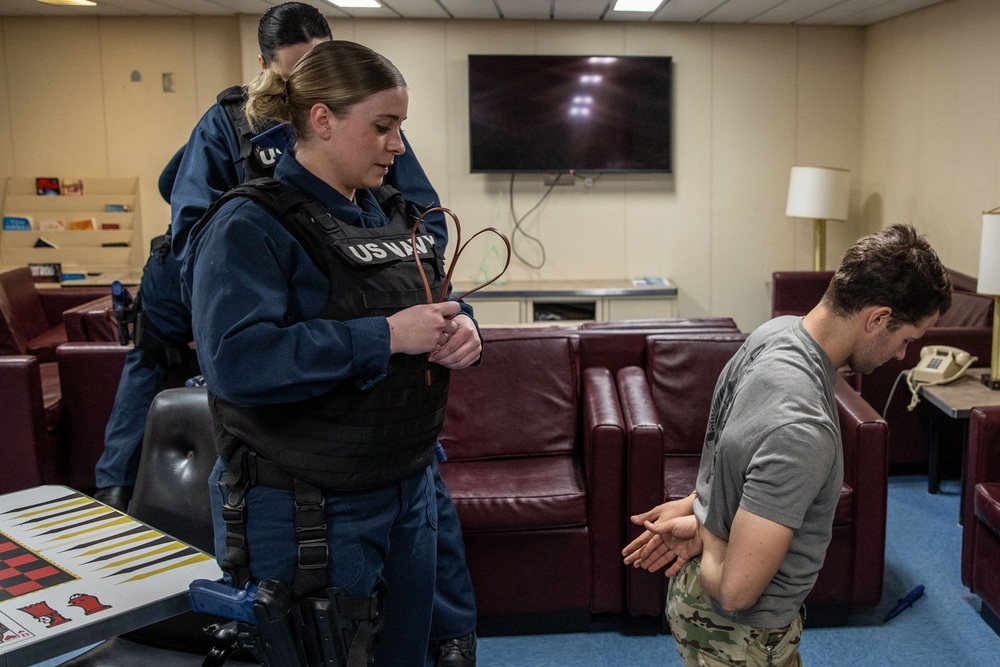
{"points": [[895, 267], [287, 24]]}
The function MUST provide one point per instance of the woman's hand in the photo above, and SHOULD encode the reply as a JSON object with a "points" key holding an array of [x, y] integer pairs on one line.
{"points": [[423, 328], [462, 348]]}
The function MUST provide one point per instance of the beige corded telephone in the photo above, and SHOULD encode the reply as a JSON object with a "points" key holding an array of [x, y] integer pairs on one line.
{"points": [[939, 364]]}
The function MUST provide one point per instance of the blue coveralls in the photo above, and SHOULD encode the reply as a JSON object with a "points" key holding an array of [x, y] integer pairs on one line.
{"points": [[210, 166], [258, 298]]}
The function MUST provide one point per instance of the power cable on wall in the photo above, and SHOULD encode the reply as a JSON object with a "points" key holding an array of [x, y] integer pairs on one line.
{"points": [[518, 230]]}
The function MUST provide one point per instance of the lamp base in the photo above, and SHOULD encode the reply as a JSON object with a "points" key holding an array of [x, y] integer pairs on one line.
{"points": [[989, 381]]}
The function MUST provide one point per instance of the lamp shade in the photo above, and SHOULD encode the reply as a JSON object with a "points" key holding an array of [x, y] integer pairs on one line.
{"points": [[821, 193], [989, 255]]}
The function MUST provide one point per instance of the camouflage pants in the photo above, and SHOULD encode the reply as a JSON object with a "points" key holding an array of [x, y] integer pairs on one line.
{"points": [[704, 638]]}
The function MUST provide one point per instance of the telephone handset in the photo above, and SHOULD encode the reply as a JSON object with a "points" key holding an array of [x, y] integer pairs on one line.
{"points": [[939, 364]]}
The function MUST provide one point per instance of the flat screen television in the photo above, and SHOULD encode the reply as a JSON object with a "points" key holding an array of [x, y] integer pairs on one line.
{"points": [[562, 114]]}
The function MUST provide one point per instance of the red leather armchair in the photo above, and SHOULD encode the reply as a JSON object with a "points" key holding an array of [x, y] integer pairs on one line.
{"points": [[32, 318], [666, 407], [535, 448], [981, 511]]}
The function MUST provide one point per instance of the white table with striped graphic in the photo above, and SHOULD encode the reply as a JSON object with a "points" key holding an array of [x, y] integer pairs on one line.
{"points": [[73, 572]]}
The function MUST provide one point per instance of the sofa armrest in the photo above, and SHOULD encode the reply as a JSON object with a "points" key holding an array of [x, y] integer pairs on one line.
{"points": [[866, 470], [644, 472], [604, 454], [56, 301], [93, 321], [645, 443]]}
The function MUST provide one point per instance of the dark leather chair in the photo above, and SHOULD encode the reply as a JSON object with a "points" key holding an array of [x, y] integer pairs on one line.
{"points": [[981, 512], [171, 494], [666, 407], [535, 447]]}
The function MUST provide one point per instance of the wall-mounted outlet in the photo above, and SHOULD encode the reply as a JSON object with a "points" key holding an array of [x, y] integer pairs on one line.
{"points": [[168, 82]]}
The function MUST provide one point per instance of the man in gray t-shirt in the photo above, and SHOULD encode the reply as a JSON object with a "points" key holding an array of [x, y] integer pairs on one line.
{"points": [[746, 547]]}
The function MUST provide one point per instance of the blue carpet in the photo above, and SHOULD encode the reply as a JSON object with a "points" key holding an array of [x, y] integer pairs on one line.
{"points": [[923, 546]]}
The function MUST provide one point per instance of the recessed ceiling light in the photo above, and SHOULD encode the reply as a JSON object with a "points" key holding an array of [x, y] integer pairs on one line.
{"points": [[637, 5], [355, 3], [69, 3]]}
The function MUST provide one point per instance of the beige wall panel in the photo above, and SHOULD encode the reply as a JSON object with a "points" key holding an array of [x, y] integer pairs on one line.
{"points": [[668, 218], [216, 59], [753, 145], [146, 124], [57, 108], [960, 103], [249, 47], [891, 127], [828, 129], [6, 133], [932, 124]]}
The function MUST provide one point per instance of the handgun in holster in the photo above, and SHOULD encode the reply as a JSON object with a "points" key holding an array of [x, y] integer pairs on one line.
{"points": [[126, 313], [333, 629]]}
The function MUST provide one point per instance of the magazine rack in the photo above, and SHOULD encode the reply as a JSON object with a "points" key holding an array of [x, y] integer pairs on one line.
{"points": [[105, 241]]}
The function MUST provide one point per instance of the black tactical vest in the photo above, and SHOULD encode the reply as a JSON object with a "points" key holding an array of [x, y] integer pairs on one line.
{"points": [[349, 438], [258, 161]]}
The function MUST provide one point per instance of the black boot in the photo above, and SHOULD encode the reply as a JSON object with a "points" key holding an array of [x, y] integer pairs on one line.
{"points": [[115, 496], [459, 652]]}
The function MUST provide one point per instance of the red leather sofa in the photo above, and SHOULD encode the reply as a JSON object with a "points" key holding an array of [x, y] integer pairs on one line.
{"points": [[666, 406], [967, 325], [981, 512]]}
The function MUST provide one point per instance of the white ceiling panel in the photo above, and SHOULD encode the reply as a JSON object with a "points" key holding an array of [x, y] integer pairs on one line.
{"points": [[418, 9], [686, 10], [580, 10], [883, 11], [471, 9], [741, 11], [819, 12], [527, 10], [800, 11]]}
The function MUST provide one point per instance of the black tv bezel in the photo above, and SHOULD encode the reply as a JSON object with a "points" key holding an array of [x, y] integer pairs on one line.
{"points": [[669, 169]]}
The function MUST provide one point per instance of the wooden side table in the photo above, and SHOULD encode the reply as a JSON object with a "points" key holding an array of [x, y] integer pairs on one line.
{"points": [[954, 401]]}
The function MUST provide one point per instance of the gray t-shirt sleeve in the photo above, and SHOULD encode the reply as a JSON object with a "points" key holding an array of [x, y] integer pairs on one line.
{"points": [[787, 472]]}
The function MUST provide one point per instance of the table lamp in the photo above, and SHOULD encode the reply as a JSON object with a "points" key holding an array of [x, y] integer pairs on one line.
{"points": [[819, 193], [989, 283]]}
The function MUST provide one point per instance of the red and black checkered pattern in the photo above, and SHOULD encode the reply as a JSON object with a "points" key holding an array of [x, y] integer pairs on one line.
{"points": [[22, 571]]}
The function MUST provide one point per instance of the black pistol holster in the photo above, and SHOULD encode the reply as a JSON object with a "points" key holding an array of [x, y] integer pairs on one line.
{"points": [[308, 623]]}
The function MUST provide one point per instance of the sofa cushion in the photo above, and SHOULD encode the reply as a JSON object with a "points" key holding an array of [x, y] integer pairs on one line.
{"points": [[537, 493], [44, 345], [539, 380], [682, 373]]}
